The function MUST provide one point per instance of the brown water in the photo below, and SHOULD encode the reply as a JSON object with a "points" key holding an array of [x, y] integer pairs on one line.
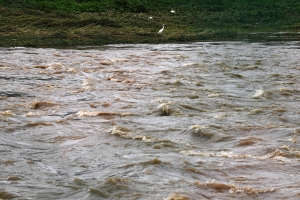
{"points": [[174, 121]]}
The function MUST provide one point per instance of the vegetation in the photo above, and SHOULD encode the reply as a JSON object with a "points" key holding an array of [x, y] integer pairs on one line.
{"points": [[92, 22]]}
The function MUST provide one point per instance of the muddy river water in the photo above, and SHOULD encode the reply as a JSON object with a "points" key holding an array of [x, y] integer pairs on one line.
{"points": [[208, 120]]}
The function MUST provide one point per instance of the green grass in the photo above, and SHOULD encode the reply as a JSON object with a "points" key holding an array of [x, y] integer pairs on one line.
{"points": [[91, 22]]}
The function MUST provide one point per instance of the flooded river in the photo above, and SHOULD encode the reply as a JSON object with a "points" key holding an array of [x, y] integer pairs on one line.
{"points": [[211, 120]]}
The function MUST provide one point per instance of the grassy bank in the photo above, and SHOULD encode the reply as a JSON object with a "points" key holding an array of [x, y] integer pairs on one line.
{"points": [[89, 22]]}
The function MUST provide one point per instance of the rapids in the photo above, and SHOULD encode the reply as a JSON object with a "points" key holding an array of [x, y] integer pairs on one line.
{"points": [[207, 120]]}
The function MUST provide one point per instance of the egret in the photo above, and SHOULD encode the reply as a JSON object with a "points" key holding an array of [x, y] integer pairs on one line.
{"points": [[161, 30], [172, 11]]}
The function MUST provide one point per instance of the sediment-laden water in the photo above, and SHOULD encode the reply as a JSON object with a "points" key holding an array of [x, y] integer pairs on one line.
{"points": [[215, 120]]}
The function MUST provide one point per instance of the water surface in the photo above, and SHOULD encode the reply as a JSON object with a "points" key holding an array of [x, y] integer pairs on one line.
{"points": [[211, 120]]}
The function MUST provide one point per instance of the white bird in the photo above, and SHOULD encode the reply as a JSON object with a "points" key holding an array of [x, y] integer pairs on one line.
{"points": [[172, 11], [161, 30]]}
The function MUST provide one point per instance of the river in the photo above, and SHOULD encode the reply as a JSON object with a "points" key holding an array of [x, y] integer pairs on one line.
{"points": [[206, 120]]}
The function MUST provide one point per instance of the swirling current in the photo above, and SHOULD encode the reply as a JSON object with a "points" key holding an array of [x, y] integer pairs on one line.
{"points": [[206, 120]]}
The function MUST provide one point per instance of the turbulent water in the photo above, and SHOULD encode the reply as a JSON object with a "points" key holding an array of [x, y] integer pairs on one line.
{"points": [[215, 120]]}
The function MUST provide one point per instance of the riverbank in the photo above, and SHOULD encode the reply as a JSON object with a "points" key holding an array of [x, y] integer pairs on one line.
{"points": [[38, 25]]}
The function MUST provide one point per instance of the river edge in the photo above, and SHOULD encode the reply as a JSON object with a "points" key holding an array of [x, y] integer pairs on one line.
{"points": [[37, 42]]}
